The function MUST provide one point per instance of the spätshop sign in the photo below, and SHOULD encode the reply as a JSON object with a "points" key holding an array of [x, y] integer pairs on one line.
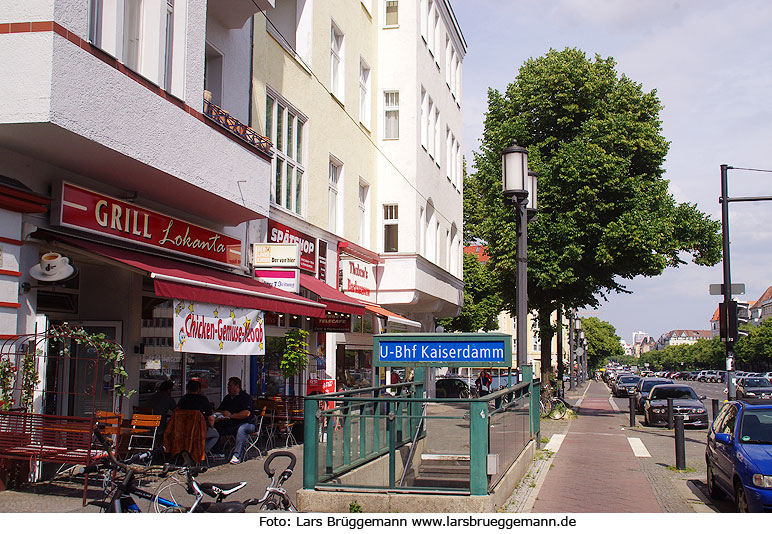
{"points": [[279, 233], [100, 214]]}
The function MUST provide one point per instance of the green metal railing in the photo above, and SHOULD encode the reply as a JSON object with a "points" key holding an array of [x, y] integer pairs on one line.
{"points": [[361, 439]]}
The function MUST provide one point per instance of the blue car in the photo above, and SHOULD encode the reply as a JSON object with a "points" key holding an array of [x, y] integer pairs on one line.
{"points": [[739, 455]]}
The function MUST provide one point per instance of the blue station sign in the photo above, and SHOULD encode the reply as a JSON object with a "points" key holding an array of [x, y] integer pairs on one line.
{"points": [[441, 350]]}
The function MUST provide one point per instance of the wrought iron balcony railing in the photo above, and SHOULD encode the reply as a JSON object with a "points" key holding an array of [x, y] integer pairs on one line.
{"points": [[237, 128]]}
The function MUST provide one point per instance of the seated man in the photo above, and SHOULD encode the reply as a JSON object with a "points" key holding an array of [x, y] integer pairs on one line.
{"points": [[237, 417], [194, 400], [163, 404]]}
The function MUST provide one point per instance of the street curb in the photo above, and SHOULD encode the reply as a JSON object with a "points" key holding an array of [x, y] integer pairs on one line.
{"points": [[694, 497]]}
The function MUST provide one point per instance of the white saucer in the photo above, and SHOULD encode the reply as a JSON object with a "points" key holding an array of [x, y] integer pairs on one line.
{"points": [[65, 272]]}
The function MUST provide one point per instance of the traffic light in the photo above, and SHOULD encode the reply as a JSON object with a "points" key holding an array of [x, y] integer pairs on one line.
{"points": [[727, 321]]}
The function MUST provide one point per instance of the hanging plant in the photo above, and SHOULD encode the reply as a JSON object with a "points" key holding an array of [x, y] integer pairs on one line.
{"points": [[7, 372], [29, 379], [295, 353]]}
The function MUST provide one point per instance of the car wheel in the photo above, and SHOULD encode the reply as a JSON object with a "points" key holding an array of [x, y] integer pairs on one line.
{"points": [[740, 500], [714, 491]]}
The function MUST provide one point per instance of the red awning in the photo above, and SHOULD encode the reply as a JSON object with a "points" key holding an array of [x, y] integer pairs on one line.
{"points": [[334, 299], [391, 316], [184, 281]]}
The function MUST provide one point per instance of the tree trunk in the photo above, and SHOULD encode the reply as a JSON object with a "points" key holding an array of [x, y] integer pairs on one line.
{"points": [[545, 336]]}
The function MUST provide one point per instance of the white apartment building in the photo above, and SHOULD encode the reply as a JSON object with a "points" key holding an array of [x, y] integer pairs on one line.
{"points": [[362, 101], [110, 157]]}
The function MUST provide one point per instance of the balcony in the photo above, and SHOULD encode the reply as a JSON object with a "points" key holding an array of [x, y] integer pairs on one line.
{"points": [[233, 14], [237, 128]]}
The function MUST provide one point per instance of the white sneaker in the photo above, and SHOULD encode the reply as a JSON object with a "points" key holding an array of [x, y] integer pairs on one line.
{"points": [[235, 460]]}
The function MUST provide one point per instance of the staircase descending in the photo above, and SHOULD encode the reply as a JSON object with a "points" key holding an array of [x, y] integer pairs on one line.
{"points": [[443, 471]]}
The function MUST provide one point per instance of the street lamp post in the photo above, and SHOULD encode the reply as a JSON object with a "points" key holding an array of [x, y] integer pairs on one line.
{"points": [[575, 363], [519, 189], [582, 354], [571, 327], [727, 289]]}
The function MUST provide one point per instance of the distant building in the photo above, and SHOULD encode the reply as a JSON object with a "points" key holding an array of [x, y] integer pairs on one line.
{"points": [[745, 310], [627, 347], [762, 308], [682, 337]]}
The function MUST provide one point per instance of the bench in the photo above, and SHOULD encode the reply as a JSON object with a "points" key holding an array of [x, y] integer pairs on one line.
{"points": [[49, 438]]}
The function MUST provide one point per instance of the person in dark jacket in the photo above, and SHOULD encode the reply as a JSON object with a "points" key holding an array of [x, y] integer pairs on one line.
{"points": [[194, 400], [236, 418]]}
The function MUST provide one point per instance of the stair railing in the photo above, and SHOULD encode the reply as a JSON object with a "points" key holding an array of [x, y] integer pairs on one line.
{"points": [[413, 445]]}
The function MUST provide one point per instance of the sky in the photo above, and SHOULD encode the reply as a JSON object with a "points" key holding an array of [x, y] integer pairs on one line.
{"points": [[711, 64]]}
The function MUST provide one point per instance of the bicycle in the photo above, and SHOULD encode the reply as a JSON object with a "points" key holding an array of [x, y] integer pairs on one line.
{"points": [[119, 494], [274, 498], [552, 406]]}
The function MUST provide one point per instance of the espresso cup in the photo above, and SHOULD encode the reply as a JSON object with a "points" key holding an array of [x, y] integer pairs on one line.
{"points": [[51, 263]]}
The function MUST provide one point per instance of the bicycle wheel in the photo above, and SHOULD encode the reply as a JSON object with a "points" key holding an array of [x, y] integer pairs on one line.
{"points": [[558, 410], [172, 497], [545, 407]]}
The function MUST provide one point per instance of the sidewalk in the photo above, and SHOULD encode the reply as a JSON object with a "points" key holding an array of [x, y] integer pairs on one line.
{"points": [[595, 469]]}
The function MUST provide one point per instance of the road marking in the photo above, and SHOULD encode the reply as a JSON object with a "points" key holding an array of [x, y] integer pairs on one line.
{"points": [[613, 404], [554, 443], [639, 449]]}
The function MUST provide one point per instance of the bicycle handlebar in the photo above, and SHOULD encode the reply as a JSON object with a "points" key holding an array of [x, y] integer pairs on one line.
{"points": [[267, 465]]}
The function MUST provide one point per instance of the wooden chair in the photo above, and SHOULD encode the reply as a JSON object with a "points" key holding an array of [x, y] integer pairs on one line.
{"points": [[143, 433], [112, 426], [282, 424]]}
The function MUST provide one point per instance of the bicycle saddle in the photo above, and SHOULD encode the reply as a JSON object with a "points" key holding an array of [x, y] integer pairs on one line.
{"points": [[221, 508], [219, 489]]}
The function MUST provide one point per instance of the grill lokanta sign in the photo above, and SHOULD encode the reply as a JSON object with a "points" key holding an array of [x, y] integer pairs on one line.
{"points": [[217, 329], [100, 214]]}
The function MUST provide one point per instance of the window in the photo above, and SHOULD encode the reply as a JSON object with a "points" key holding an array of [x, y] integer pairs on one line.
{"points": [[437, 137], [459, 167], [213, 74], [424, 117], [448, 59], [449, 163], [430, 128], [424, 19], [392, 13], [391, 228], [391, 114], [336, 62], [168, 49], [334, 200], [364, 94], [132, 26], [437, 36], [289, 24], [364, 218], [95, 23], [284, 126]]}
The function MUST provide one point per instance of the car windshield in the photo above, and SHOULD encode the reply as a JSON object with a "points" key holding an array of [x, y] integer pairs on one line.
{"points": [[756, 382], [756, 426], [629, 380], [673, 393], [648, 384]]}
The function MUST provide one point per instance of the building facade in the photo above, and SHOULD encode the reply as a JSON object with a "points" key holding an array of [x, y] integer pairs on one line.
{"points": [[147, 147]]}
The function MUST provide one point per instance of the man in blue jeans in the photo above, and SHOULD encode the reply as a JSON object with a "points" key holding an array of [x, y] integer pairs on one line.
{"points": [[237, 417]]}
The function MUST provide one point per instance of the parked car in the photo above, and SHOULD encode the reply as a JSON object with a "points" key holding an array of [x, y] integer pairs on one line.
{"points": [[625, 386], [452, 388], [754, 387], [685, 402], [739, 455], [643, 388]]}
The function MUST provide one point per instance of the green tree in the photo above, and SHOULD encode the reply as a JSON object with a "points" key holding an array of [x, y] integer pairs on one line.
{"points": [[482, 301], [757, 346], [602, 342], [605, 214]]}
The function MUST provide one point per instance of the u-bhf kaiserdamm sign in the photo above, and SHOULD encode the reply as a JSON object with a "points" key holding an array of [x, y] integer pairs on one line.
{"points": [[216, 329], [440, 350]]}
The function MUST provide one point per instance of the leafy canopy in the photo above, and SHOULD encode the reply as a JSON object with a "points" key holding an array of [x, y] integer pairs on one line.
{"points": [[602, 342], [604, 211]]}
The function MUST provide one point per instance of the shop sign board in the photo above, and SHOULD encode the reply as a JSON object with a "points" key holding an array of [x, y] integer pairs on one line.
{"points": [[358, 280], [276, 255], [216, 329], [321, 386], [322, 268], [279, 233], [284, 279], [442, 350], [333, 323], [93, 212]]}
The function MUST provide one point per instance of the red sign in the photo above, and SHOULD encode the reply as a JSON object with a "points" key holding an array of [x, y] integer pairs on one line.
{"points": [[99, 214], [279, 233], [320, 386]]}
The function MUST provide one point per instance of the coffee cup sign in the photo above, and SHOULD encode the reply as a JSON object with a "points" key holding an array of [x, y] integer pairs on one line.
{"points": [[52, 263]]}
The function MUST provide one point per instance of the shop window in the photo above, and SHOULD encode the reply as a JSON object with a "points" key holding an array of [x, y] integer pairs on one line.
{"points": [[363, 323], [207, 369], [354, 368]]}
